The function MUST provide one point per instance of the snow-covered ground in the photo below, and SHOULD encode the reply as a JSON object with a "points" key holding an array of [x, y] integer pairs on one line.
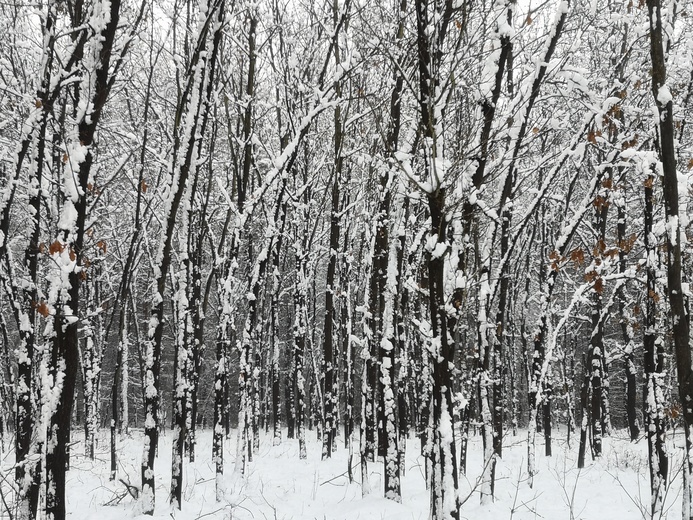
{"points": [[282, 487]]}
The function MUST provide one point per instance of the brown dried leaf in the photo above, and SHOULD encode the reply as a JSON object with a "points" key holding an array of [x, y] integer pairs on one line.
{"points": [[626, 245], [599, 285], [43, 309], [590, 276], [615, 110], [56, 247], [611, 252], [600, 202], [577, 256]]}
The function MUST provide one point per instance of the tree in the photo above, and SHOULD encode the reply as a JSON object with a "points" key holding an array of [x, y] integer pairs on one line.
{"points": [[679, 317], [190, 123]]}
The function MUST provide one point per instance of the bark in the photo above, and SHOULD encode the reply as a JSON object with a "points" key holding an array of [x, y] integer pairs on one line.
{"points": [[654, 368], [274, 338], [299, 331], [91, 361], [584, 412], [32, 149], [444, 475], [392, 458], [431, 28], [626, 325], [180, 386], [596, 353], [329, 422], [677, 303]]}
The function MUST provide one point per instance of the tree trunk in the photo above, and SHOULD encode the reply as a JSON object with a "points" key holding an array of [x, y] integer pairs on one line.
{"points": [[679, 316], [654, 367], [191, 121]]}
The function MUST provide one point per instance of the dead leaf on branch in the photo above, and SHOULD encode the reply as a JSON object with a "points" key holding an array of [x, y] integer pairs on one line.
{"points": [[43, 309], [590, 276], [56, 247], [577, 256], [629, 143], [556, 259], [592, 136], [626, 245], [599, 285], [611, 252], [600, 202]]}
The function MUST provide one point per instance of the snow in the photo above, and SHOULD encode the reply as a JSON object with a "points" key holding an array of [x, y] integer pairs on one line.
{"points": [[664, 95], [672, 228], [279, 485]]}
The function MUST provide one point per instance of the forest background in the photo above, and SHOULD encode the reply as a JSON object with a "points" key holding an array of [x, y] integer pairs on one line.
{"points": [[379, 220]]}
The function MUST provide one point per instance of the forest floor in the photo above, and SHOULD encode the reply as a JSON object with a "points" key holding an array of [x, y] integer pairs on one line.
{"points": [[279, 486]]}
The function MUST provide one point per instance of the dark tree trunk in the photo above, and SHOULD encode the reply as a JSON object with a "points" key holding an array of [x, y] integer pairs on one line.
{"points": [[654, 361], [299, 332], [584, 412], [23, 301], [329, 398], [443, 455], [64, 347], [681, 326], [624, 247]]}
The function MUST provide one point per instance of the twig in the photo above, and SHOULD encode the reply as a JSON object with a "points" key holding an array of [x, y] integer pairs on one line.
{"points": [[134, 491], [2, 496], [338, 476], [214, 512]]}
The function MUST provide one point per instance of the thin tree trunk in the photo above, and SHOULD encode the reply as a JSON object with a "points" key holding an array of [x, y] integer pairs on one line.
{"points": [[653, 363], [191, 122]]}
